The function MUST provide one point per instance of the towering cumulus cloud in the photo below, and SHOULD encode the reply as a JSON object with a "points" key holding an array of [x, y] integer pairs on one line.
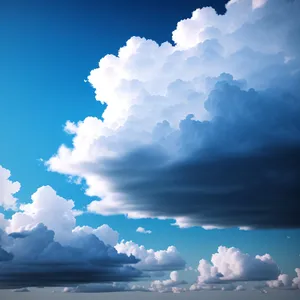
{"points": [[230, 264], [205, 131]]}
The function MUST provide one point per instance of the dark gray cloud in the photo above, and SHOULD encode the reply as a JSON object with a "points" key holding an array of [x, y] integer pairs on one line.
{"points": [[33, 258]]}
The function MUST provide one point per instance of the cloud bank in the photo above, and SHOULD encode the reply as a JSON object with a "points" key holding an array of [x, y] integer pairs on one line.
{"points": [[33, 258], [205, 131]]}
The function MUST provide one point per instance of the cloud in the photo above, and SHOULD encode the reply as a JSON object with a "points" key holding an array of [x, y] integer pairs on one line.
{"points": [[21, 290], [219, 287], [143, 230], [40, 246], [231, 265], [168, 284], [296, 280], [33, 259], [48, 208], [103, 232], [106, 288], [205, 131], [150, 260], [285, 282], [3, 222], [7, 190], [240, 288]]}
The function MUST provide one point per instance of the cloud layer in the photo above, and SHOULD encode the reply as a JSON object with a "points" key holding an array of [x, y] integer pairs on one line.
{"points": [[205, 131]]}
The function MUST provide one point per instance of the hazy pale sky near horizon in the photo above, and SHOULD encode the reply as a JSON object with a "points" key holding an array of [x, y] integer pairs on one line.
{"points": [[153, 141], [216, 295]]}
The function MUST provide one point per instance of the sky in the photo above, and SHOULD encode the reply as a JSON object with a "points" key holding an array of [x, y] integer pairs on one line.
{"points": [[150, 147]]}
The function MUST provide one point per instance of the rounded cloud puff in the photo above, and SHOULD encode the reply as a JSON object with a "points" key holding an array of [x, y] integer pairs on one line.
{"points": [[230, 264]]}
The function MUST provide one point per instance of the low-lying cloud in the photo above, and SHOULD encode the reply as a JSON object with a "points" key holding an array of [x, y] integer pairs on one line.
{"points": [[33, 258]]}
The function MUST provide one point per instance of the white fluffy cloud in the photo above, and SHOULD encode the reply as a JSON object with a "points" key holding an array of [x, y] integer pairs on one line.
{"points": [[191, 130], [168, 284], [151, 260], [230, 264], [143, 230], [285, 282], [7, 190], [48, 208], [103, 232]]}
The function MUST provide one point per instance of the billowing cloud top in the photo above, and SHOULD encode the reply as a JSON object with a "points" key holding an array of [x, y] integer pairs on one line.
{"points": [[230, 264], [205, 131]]}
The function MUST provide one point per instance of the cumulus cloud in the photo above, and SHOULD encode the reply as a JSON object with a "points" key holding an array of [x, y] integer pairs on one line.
{"points": [[230, 265], [143, 230], [48, 208], [151, 260], [285, 282], [296, 280], [205, 131], [168, 284], [33, 258], [103, 232], [7, 190]]}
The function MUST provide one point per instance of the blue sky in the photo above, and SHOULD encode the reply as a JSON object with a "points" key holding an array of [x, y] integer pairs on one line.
{"points": [[47, 53]]}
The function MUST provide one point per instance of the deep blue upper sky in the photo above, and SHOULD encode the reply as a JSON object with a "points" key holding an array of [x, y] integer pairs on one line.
{"points": [[47, 50]]}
